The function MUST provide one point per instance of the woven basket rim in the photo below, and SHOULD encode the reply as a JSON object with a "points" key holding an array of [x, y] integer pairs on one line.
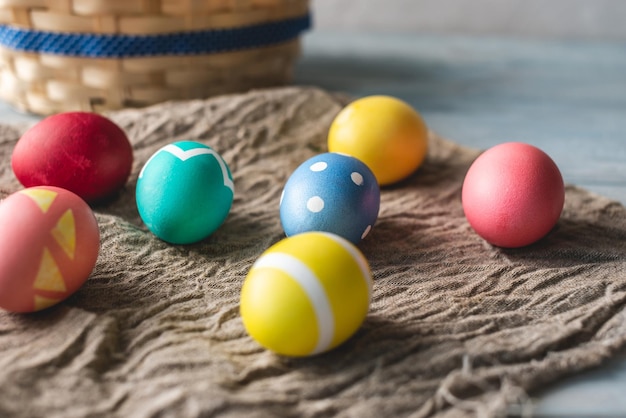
{"points": [[185, 43], [143, 17]]}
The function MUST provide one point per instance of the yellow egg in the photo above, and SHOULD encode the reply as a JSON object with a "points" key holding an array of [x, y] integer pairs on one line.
{"points": [[306, 294], [385, 133]]}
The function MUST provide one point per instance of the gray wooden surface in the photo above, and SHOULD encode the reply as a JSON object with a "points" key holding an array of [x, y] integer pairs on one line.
{"points": [[566, 97], [582, 19]]}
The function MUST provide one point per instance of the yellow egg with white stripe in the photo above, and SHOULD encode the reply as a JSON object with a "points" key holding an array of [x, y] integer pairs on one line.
{"points": [[306, 294]]}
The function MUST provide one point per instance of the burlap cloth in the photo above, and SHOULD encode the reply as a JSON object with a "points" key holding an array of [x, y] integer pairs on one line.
{"points": [[456, 328]]}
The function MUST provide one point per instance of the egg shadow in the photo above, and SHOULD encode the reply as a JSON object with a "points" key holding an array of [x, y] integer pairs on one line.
{"points": [[397, 243], [573, 242], [377, 339], [121, 204]]}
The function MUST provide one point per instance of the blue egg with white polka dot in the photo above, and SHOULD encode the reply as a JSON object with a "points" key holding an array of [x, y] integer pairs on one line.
{"points": [[331, 192]]}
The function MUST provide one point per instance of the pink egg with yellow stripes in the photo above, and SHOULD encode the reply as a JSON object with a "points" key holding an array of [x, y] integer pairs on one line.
{"points": [[49, 246]]}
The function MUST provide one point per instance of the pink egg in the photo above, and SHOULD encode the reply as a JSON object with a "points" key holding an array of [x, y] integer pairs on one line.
{"points": [[83, 152], [513, 194], [48, 247]]}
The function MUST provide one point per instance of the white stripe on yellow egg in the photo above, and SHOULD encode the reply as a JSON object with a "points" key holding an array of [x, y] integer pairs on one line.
{"points": [[306, 294], [338, 264], [358, 257], [277, 312], [311, 285]]}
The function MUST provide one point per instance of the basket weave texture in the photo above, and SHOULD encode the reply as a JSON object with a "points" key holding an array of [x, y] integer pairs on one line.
{"points": [[96, 55]]}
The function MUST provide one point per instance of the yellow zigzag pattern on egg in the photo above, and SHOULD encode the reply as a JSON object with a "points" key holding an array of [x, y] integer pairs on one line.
{"points": [[43, 303], [43, 198], [64, 233], [49, 276]]}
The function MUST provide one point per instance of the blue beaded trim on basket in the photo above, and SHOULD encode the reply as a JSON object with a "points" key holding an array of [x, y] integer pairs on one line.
{"points": [[183, 43]]}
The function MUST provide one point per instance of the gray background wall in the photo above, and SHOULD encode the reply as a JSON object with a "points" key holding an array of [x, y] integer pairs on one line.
{"points": [[587, 19]]}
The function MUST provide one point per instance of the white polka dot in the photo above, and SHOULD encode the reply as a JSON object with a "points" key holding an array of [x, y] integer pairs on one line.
{"points": [[319, 166], [357, 178], [367, 231], [315, 204]]}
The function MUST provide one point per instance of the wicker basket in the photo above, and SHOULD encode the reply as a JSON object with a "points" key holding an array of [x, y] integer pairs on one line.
{"points": [[95, 55]]}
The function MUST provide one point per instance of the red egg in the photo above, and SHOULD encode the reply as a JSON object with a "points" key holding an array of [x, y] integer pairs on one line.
{"points": [[83, 152], [48, 247], [513, 194]]}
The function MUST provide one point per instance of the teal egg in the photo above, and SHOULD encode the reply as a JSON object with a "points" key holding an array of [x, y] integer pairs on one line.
{"points": [[184, 192]]}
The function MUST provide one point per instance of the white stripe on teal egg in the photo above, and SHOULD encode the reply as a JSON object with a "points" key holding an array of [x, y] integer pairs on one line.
{"points": [[311, 285], [195, 152]]}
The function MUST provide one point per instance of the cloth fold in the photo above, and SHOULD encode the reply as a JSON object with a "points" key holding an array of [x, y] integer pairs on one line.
{"points": [[457, 327]]}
